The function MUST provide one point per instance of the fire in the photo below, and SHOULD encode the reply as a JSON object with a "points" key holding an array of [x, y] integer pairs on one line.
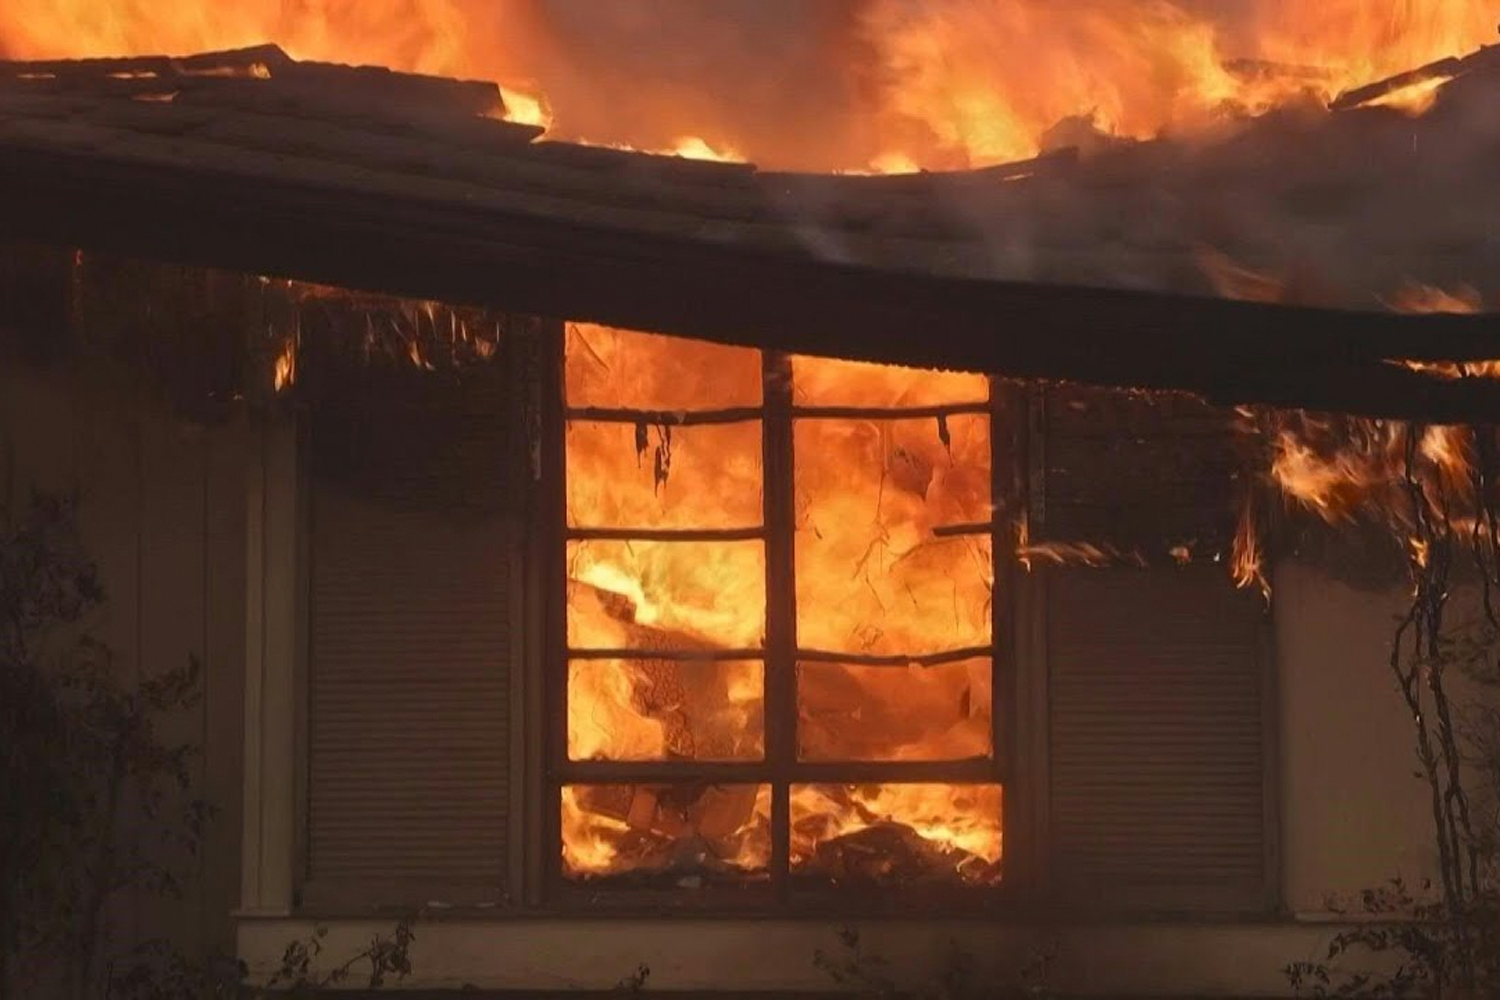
{"points": [[885, 85], [286, 365], [1087, 554], [893, 613], [1246, 561], [691, 147], [849, 831], [1397, 475], [894, 584]]}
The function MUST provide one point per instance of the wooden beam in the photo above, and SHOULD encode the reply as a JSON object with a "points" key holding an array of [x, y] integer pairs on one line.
{"points": [[1239, 352]]}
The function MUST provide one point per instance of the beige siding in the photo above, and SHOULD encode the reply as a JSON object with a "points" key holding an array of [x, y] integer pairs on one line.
{"points": [[162, 512]]}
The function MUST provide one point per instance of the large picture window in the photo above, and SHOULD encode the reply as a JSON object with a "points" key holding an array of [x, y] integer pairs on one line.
{"points": [[779, 648]]}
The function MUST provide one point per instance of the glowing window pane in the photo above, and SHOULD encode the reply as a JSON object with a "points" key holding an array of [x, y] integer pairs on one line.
{"points": [[666, 595], [621, 476], [893, 713], [646, 371], [898, 834], [827, 382], [666, 833], [873, 576], [665, 710]]}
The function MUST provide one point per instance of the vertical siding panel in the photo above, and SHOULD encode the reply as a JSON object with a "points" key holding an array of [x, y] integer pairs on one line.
{"points": [[224, 666], [109, 460], [172, 471]]}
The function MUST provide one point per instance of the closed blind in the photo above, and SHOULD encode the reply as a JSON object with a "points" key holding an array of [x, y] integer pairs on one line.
{"points": [[410, 641], [1157, 741]]}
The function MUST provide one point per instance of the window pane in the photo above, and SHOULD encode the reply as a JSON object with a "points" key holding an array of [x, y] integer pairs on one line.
{"points": [[897, 834], [893, 713], [872, 577], [646, 371], [665, 709], [680, 833], [826, 382], [666, 595], [621, 476]]}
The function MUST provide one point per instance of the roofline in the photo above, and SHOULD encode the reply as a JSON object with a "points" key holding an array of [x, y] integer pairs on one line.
{"points": [[1229, 352]]}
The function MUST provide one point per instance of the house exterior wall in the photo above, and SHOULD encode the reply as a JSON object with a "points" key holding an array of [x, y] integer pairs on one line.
{"points": [[1352, 815], [162, 511], [180, 517]]}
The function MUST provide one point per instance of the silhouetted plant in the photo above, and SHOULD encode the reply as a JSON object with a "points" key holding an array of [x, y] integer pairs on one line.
{"points": [[386, 957], [92, 793], [1442, 941], [636, 981]]}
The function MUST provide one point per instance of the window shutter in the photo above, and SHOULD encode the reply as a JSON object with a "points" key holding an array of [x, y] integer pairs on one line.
{"points": [[1157, 746], [410, 619], [1158, 741]]}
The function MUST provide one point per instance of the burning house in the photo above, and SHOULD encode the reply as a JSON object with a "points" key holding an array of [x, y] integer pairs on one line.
{"points": [[700, 557]]}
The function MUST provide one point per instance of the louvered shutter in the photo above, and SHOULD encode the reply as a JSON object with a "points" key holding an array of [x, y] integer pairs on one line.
{"points": [[410, 615], [1157, 682]]}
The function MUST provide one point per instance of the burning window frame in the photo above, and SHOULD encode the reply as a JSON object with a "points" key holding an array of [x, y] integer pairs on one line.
{"points": [[780, 770]]}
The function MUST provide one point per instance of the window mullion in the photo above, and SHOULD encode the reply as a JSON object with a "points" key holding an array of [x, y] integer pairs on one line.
{"points": [[781, 605], [1008, 444]]}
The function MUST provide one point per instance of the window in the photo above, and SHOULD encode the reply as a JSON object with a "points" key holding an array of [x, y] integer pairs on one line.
{"points": [[779, 641]]}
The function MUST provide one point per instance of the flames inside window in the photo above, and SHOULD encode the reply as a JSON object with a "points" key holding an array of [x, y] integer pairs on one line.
{"points": [[745, 704]]}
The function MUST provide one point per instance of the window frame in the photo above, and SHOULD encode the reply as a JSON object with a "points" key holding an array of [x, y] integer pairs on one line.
{"points": [[1006, 410]]}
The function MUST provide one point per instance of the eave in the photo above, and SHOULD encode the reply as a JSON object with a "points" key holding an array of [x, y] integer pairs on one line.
{"points": [[449, 206]]}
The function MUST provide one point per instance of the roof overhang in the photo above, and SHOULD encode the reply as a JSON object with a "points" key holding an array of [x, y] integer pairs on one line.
{"points": [[493, 218]]}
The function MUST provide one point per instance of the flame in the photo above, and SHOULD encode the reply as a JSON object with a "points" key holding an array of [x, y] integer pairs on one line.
{"points": [[886, 85], [1415, 99], [286, 365], [1397, 475], [1416, 297], [1246, 562], [1097, 555], [875, 577], [958, 826], [691, 147], [526, 109], [879, 582]]}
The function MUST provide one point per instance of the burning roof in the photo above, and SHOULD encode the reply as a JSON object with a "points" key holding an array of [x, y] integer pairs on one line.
{"points": [[1105, 262]]}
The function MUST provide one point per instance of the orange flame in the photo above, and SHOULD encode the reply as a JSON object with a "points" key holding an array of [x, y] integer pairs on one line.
{"points": [[286, 365], [889, 85], [875, 577]]}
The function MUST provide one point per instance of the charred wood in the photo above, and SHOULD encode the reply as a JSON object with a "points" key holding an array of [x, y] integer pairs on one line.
{"points": [[1487, 58]]}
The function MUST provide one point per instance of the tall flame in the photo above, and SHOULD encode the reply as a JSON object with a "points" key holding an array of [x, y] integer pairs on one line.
{"points": [[889, 85], [668, 632]]}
